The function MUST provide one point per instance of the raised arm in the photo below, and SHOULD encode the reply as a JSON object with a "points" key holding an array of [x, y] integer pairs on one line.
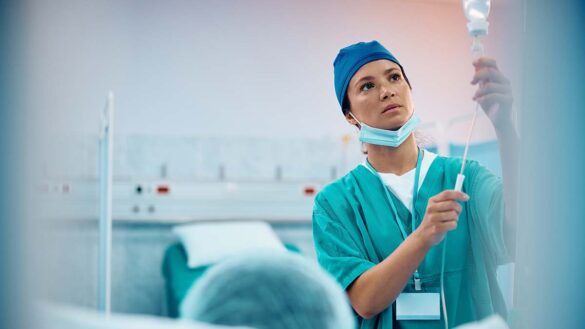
{"points": [[495, 97]]}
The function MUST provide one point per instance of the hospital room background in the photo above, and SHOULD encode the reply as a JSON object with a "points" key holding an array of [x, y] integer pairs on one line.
{"points": [[225, 126]]}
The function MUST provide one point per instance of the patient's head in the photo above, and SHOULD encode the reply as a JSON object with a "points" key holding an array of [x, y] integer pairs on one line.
{"points": [[268, 290]]}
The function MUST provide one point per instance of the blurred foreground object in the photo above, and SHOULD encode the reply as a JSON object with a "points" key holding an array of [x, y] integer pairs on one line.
{"points": [[269, 290]]}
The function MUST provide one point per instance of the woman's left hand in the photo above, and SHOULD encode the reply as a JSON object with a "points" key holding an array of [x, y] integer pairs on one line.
{"points": [[494, 93]]}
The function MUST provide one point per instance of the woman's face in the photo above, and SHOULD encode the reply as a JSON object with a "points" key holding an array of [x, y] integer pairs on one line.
{"points": [[379, 96]]}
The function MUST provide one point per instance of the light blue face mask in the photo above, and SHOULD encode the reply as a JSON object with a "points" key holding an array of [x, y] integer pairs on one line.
{"points": [[385, 137]]}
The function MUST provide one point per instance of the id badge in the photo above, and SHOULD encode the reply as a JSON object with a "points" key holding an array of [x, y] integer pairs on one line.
{"points": [[418, 306]]}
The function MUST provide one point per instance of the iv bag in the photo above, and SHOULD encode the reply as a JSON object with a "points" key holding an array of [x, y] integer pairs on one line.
{"points": [[476, 9], [477, 12]]}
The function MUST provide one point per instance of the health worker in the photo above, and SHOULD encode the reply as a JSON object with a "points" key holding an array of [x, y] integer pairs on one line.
{"points": [[380, 230]]}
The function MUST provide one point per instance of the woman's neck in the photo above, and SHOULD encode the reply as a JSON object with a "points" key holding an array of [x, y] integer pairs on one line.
{"points": [[396, 160]]}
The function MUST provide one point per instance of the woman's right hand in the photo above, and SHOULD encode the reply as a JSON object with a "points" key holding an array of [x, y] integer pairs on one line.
{"points": [[441, 216]]}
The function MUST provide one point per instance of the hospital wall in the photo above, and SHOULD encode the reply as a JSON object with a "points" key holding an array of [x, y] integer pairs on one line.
{"points": [[221, 93], [241, 68]]}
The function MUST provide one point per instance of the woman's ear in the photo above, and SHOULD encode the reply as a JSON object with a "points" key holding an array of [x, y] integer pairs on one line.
{"points": [[351, 119]]}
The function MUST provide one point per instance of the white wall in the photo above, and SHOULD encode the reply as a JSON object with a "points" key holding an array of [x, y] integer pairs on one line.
{"points": [[238, 68]]}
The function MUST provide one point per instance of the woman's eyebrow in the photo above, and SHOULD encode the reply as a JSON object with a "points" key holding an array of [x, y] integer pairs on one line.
{"points": [[368, 77]]}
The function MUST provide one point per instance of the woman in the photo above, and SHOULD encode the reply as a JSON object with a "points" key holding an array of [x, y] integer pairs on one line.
{"points": [[381, 237]]}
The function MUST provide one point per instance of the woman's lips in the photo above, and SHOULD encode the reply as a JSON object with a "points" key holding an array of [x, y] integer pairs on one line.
{"points": [[391, 107]]}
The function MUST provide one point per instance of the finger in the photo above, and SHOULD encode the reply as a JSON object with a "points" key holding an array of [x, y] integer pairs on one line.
{"points": [[489, 74], [445, 206], [488, 101], [450, 195], [492, 88], [446, 216], [447, 226], [450, 226], [438, 218], [485, 62]]}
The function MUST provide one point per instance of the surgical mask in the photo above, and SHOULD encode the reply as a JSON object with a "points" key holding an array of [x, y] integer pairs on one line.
{"points": [[385, 137]]}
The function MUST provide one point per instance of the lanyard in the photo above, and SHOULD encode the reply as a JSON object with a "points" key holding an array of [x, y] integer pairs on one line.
{"points": [[417, 282]]}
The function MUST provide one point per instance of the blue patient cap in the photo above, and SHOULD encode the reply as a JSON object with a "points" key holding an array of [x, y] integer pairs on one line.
{"points": [[351, 58], [268, 290]]}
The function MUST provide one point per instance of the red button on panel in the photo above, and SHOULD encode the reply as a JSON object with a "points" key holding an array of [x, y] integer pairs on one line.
{"points": [[163, 189], [309, 190]]}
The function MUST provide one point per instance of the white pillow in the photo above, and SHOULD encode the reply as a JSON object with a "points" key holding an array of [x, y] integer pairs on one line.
{"points": [[209, 243]]}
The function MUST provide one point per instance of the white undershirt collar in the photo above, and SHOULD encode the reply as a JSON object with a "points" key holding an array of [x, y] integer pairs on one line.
{"points": [[401, 186]]}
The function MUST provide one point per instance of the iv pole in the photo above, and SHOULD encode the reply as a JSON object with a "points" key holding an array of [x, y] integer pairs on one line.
{"points": [[105, 202]]}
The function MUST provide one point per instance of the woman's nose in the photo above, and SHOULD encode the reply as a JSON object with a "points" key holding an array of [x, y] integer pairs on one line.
{"points": [[386, 92]]}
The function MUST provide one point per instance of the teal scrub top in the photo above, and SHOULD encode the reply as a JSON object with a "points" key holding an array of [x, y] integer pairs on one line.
{"points": [[354, 229]]}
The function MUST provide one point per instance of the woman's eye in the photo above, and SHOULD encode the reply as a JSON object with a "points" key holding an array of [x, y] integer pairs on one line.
{"points": [[395, 77], [367, 86]]}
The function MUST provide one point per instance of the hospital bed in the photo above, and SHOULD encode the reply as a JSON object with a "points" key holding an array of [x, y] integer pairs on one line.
{"points": [[179, 276]]}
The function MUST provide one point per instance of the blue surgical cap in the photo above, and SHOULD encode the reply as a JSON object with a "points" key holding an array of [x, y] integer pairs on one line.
{"points": [[351, 58], [268, 290]]}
